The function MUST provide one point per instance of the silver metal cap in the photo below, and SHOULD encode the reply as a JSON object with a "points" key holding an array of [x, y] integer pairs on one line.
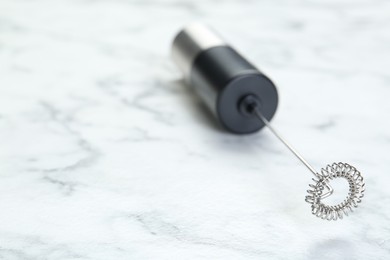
{"points": [[191, 41]]}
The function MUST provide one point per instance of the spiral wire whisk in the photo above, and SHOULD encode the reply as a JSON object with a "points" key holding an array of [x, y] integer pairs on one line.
{"points": [[321, 187]]}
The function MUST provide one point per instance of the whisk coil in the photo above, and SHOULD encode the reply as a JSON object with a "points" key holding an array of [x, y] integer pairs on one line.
{"points": [[321, 183]]}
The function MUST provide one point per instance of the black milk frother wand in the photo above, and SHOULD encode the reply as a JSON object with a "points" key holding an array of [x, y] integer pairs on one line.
{"points": [[244, 100]]}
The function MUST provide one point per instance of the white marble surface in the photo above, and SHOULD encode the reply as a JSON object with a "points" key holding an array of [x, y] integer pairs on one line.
{"points": [[104, 154]]}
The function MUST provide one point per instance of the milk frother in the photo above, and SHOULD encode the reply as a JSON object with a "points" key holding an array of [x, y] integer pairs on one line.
{"points": [[244, 100]]}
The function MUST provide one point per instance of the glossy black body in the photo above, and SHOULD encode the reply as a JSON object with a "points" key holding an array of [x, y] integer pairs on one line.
{"points": [[222, 77]]}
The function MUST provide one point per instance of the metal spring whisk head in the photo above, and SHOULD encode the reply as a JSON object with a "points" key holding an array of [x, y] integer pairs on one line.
{"points": [[321, 182], [321, 188]]}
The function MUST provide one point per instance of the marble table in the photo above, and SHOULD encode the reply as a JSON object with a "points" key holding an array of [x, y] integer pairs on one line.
{"points": [[106, 154]]}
